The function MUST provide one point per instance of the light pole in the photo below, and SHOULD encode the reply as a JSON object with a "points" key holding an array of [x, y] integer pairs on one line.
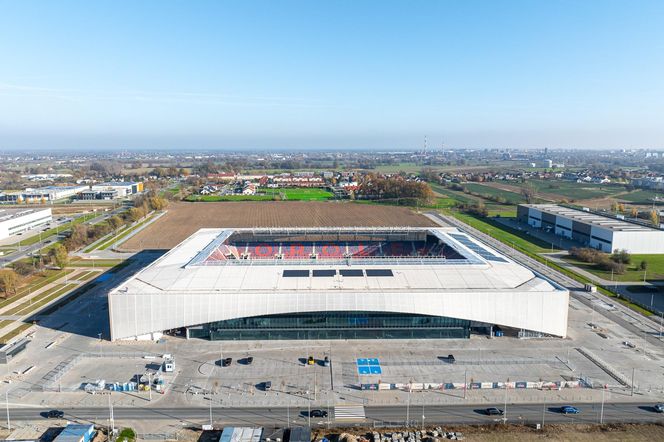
{"points": [[100, 350], [410, 388], [9, 426], [110, 410], [601, 413], [422, 417], [210, 397], [309, 407], [543, 411], [150, 389], [505, 410]]}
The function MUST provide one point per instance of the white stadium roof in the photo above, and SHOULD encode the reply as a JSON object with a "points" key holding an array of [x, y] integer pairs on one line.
{"points": [[185, 288]]}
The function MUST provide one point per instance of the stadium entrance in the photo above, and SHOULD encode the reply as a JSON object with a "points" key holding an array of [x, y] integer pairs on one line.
{"points": [[334, 325]]}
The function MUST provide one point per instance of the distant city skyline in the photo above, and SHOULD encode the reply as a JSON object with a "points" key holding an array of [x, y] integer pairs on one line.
{"points": [[264, 75]]}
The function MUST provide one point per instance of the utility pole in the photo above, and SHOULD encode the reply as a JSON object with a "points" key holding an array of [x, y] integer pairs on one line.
{"points": [[543, 412], [210, 410], [100, 351], [633, 370], [150, 386]]}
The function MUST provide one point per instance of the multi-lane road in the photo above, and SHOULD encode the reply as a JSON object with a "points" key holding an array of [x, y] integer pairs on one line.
{"points": [[280, 416], [32, 248]]}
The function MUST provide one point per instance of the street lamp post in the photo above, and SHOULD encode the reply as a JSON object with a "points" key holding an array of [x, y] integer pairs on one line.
{"points": [[505, 411], [422, 417], [210, 410], [110, 410], [410, 386], [601, 413], [9, 426]]}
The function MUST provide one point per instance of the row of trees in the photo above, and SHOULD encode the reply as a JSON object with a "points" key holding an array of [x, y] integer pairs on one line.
{"points": [[375, 187]]}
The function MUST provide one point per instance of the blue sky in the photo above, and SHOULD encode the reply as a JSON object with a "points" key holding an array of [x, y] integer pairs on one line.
{"points": [[331, 74]]}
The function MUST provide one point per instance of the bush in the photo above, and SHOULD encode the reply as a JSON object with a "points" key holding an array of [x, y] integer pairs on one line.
{"points": [[621, 256], [586, 254], [23, 268], [477, 209]]}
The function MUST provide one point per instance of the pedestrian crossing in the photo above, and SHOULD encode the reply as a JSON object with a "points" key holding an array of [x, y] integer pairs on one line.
{"points": [[349, 412]]}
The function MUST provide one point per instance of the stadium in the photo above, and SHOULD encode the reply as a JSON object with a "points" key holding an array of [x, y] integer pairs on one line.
{"points": [[334, 283]]}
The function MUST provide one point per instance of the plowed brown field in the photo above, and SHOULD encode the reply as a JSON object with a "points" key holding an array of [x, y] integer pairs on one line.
{"points": [[183, 219]]}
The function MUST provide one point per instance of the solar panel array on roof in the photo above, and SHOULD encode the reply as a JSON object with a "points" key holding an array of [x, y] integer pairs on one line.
{"points": [[296, 274], [351, 272], [379, 272], [324, 273], [484, 253]]}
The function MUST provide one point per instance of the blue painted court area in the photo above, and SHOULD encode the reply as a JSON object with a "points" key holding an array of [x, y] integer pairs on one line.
{"points": [[368, 366]]}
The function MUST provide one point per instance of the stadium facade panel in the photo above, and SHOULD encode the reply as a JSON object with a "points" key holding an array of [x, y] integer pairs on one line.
{"points": [[334, 283]]}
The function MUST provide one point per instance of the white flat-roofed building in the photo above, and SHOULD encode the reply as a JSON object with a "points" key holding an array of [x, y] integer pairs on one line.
{"points": [[42, 195], [123, 189], [334, 283], [14, 221], [591, 229]]}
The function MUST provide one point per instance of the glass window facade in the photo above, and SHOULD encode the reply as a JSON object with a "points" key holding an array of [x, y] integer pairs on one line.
{"points": [[334, 325]]}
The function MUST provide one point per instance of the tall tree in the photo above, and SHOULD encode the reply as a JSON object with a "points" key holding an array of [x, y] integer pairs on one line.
{"points": [[8, 281], [60, 256]]}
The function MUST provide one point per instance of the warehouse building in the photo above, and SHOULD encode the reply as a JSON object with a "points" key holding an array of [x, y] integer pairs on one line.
{"points": [[42, 195], [334, 283], [14, 221], [123, 189], [590, 229]]}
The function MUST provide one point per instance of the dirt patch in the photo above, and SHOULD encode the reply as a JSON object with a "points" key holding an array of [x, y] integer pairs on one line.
{"points": [[183, 219]]}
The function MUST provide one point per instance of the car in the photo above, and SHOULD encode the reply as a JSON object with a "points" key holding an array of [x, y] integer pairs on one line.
{"points": [[326, 361], [55, 414], [493, 411], [451, 359], [226, 362], [311, 360], [318, 413], [568, 409], [267, 385], [659, 408], [249, 360]]}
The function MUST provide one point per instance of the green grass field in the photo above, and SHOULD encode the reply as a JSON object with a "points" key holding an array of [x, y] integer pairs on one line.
{"points": [[655, 271], [509, 236], [643, 197], [573, 190], [217, 198], [269, 194], [510, 197], [306, 194]]}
